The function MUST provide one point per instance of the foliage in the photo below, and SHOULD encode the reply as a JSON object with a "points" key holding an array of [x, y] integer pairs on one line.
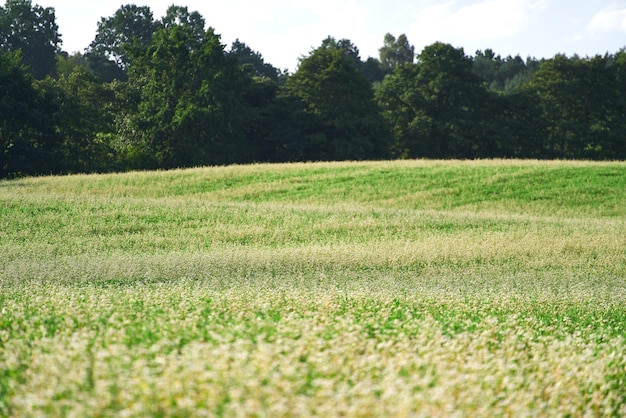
{"points": [[337, 115], [253, 61], [177, 16], [29, 143], [162, 93], [582, 104], [396, 52], [432, 105], [190, 99], [130, 27], [503, 75], [105, 70], [85, 113], [33, 31]]}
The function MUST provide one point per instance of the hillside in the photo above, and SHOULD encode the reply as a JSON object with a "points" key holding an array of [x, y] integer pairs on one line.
{"points": [[321, 289]]}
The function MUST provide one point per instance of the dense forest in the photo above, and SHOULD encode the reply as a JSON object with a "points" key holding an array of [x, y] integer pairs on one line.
{"points": [[154, 93]]}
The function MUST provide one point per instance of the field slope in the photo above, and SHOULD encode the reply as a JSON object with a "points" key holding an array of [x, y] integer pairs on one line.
{"points": [[412, 288]]}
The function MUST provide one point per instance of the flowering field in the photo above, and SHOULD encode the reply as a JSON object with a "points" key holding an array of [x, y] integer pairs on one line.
{"points": [[414, 288]]}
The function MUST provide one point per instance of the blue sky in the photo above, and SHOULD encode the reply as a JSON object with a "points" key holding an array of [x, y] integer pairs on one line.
{"points": [[282, 30]]}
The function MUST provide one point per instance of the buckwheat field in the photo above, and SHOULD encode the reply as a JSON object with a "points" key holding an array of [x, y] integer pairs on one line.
{"points": [[413, 288]]}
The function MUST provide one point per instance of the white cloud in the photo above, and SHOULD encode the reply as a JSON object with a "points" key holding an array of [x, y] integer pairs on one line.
{"points": [[458, 22], [608, 20]]}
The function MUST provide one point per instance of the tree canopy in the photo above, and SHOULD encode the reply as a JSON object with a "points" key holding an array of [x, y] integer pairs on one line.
{"points": [[396, 52], [33, 31], [165, 92], [130, 27], [339, 117], [191, 95], [29, 143]]}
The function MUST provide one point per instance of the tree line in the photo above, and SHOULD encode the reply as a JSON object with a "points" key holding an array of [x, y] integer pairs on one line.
{"points": [[163, 93]]}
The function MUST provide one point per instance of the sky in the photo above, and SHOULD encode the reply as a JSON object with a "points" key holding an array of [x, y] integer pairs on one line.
{"points": [[284, 30]]}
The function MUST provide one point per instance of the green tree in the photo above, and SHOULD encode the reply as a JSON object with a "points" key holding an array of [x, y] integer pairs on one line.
{"points": [[84, 119], [130, 27], [502, 75], [33, 31], [334, 108], [253, 61], [438, 106], [615, 144], [455, 101], [486, 65], [523, 128], [396, 52], [181, 16], [581, 106], [104, 69], [372, 69], [190, 109], [268, 121], [404, 107], [347, 48], [557, 84], [28, 140]]}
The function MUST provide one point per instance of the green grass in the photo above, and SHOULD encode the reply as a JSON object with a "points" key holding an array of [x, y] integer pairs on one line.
{"points": [[412, 288]]}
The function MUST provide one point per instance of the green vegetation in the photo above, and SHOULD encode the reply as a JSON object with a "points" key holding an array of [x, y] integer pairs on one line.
{"points": [[162, 93], [486, 288]]}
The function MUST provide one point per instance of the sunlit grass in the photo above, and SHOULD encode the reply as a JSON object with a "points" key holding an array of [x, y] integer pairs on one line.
{"points": [[414, 288]]}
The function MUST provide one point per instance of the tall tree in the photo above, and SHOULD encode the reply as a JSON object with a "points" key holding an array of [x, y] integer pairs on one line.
{"points": [[347, 48], [581, 107], [435, 106], [181, 16], [190, 100], [84, 119], [337, 114], [524, 127], [486, 65], [266, 114], [130, 27], [454, 97], [615, 147], [253, 61], [502, 75], [404, 107], [33, 31], [373, 70], [267, 120], [396, 52], [104, 69], [28, 140]]}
